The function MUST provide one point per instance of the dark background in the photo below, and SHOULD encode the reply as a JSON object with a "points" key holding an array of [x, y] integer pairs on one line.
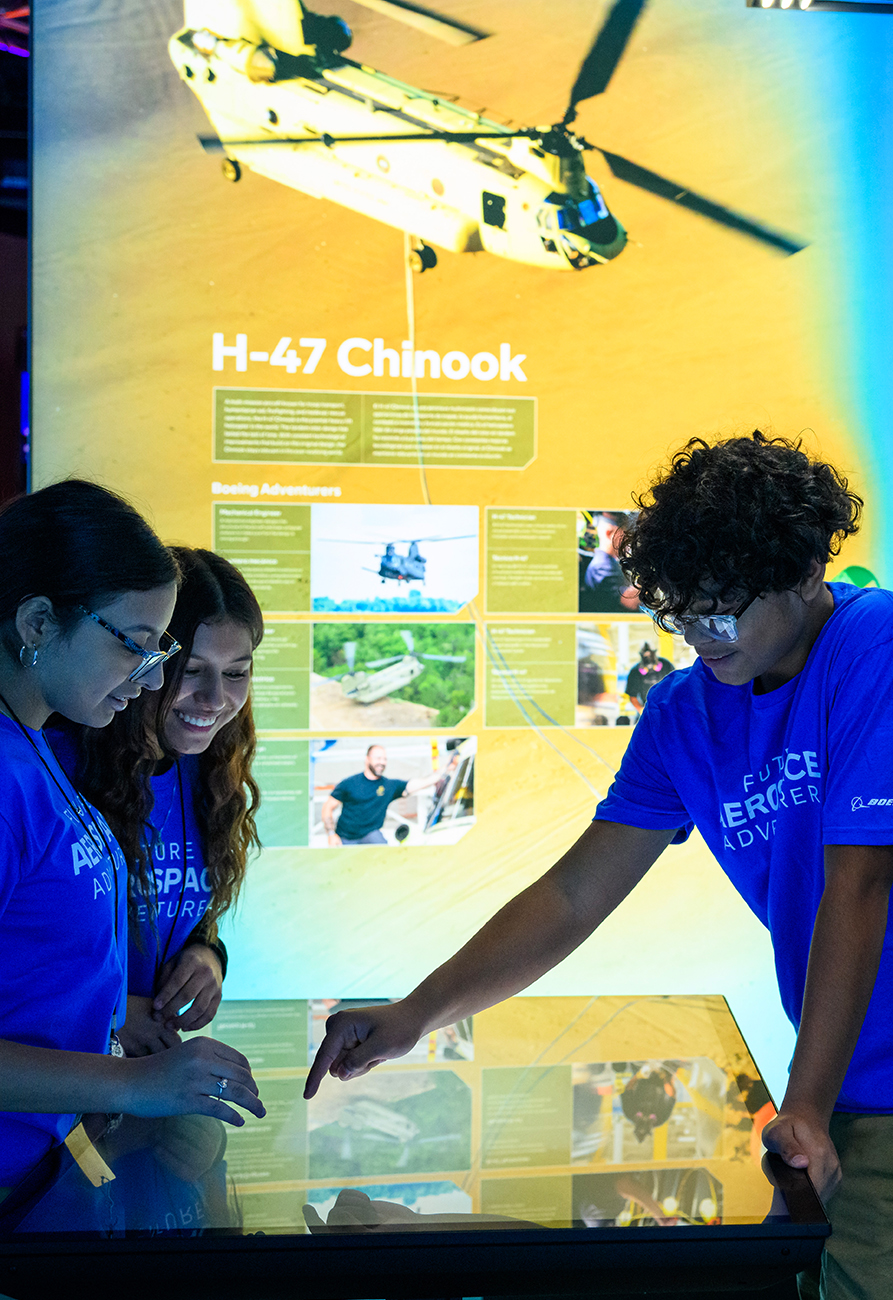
{"points": [[14, 69]]}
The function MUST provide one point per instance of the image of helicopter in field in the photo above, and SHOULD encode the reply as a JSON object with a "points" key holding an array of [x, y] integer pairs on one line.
{"points": [[432, 568], [395, 672], [286, 102], [359, 682]]}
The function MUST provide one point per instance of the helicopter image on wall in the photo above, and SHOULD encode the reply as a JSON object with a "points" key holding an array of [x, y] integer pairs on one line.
{"points": [[395, 672], [391, 564], [287, 103]]}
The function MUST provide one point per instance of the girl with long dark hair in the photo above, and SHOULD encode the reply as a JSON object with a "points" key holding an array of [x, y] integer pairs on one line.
{"points": [[173, 777], [86, 593]]}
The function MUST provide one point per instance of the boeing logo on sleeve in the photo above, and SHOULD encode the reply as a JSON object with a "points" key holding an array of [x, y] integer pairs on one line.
{"points": [[857, 803]]}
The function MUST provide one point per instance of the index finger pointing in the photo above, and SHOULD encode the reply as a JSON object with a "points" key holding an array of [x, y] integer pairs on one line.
{"points": [[329, 1052]]}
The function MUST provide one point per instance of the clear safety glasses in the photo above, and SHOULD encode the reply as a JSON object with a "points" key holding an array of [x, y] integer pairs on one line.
{"points": [[718, 627]]}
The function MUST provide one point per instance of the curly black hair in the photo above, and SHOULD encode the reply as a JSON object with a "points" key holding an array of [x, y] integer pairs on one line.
{"points": [[735, 518]]}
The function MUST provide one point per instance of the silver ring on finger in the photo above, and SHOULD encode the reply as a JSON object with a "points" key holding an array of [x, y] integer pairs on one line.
{"points": [[221, 1084]]}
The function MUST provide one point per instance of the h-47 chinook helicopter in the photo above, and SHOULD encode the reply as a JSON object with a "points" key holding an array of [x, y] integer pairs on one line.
{"points": [[396, 672], [286, 102], [391, 564]]}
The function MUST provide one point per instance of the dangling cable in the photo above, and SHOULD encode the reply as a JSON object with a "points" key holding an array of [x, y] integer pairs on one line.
{"points": [[410, 334], [515, 689]]}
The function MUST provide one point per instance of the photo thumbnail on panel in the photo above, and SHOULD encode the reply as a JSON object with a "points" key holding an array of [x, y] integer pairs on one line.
{"points": [[400, 790], [618, 663], [630, 1111], [451, 1043], [557, 560], [393, 559], [384, 677], [390, 1122], [437, 1197], [645, 1198], [603, 586]]}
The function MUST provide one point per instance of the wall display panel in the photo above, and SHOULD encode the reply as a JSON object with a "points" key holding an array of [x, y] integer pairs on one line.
{"points": [[408, 385]]}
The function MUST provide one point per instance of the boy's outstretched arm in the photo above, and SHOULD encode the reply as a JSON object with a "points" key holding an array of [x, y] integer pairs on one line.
{"points": [[844, 956], [530, 935]]}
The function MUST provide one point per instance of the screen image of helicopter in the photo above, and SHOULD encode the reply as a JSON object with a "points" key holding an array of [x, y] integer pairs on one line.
{"points": [[375, 676], [286, 102], [393, 1122], [393, 559]]}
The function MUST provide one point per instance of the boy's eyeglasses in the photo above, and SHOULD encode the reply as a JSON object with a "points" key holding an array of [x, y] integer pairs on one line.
{"points": [[151, 658], [718, 627]]}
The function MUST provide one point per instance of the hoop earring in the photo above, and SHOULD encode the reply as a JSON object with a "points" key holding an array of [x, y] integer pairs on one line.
{"points": [[33, 661]]}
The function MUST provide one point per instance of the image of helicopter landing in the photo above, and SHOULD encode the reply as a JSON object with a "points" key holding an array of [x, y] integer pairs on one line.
{"points": [[413, 1120], [393, 559], [285, 101], [427, 682]]}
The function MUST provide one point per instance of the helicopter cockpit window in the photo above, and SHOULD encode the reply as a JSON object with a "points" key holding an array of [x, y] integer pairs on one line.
{"points": [[577, 216], [589, 218]]}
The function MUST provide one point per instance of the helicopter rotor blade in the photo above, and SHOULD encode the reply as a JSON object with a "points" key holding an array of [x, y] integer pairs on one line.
{"points": [[607, 50], [461, 537], [213, 143], [380, 663], [428, 21], [350, 654], [644, 179], [446, 659], [408, 641]]}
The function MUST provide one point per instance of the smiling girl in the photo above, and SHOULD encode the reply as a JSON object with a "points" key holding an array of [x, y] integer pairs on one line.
{"points": [[86, 593], [173, 777]]}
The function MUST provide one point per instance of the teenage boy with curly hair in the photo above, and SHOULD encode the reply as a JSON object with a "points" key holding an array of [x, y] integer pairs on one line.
{"points": [[777, 745]]}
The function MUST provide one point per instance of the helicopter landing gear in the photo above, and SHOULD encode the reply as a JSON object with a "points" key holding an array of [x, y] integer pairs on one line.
{"points": [[231, 170], [422, 259]]}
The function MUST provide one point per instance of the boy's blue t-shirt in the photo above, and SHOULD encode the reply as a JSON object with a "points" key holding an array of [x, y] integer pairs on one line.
{"points": [[769, 780], [62, 973], [181, 877]]}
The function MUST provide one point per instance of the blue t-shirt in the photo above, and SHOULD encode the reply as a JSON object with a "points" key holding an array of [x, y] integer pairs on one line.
{"points": [[364, 804], [62, 973], [181, 877], [172, 844], [769, 780]]}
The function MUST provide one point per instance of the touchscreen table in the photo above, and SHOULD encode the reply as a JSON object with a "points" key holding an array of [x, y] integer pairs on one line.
{"points": [[544, 1145]]}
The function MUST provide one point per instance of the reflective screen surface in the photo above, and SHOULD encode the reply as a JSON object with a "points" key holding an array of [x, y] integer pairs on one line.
{"points": [[561, 1113]]}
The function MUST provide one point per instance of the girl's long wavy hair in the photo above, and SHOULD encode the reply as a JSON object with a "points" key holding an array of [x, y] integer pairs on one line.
{"points": [[118, 761]]}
